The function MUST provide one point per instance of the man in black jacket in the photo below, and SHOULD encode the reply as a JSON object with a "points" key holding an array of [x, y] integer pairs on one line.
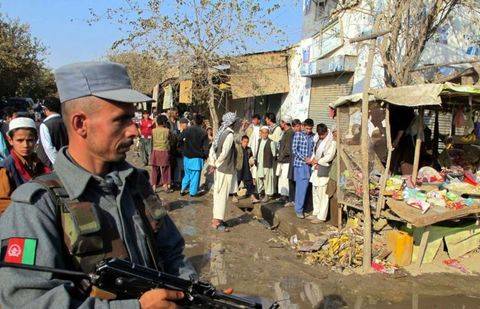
{"points": [[284, 157], [194, 142]]}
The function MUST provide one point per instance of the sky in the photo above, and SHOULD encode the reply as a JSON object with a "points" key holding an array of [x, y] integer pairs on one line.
{"points": [[61, 26]]}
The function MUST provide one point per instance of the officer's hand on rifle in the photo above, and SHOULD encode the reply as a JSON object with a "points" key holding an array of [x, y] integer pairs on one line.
{"points": [[160, 299]]}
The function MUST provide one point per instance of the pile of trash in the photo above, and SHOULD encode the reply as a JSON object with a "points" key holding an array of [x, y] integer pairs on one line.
{"points": [[337, 249]]}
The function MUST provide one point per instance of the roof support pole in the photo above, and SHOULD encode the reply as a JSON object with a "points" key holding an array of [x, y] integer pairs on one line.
{"points": [[418, 145], [386, 173], [367, 224]]}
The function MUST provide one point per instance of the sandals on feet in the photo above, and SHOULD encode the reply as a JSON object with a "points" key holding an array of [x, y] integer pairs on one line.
{"points": [[221, 228]]}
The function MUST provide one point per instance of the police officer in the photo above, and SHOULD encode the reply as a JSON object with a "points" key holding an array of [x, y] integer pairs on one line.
{"points": [[94, 206]]}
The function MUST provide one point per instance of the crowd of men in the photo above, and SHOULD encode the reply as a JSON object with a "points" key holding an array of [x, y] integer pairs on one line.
{"points": [[285, 161], [288, 161], [71, 199]]}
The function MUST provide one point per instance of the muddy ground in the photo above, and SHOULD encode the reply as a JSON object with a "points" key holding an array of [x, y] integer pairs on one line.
{"points": [[251, 260]]}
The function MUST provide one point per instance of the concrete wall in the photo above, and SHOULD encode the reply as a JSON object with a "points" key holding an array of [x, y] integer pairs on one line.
{"points": [[450, 44], [314, 16], [295, 102], [455, 41]]}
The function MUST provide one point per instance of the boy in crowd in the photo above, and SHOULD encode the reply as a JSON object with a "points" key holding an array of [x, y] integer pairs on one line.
{"points": [[244, 174], [22, 164]]}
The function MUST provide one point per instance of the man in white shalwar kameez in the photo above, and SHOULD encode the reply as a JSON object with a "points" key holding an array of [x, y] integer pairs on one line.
{"points": [[324, 153], [265, 161], [222, 158]]}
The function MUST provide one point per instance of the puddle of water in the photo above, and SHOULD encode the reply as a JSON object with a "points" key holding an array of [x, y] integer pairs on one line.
{"points": [[188, 230], [429, 301], [291, 292], [217, 264]]}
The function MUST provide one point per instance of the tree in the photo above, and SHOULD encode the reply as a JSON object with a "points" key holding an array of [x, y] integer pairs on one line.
{"points": [[411, 24], [144, 69], [197, 36], [39, 84], [22, 68]]}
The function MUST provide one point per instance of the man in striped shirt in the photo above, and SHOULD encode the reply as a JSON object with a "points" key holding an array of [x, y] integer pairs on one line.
{"points": [[302, 149]]}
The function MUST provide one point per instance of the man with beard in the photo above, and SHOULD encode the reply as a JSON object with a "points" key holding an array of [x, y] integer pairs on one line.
{"points": [[222, 158], [94, 206], [284, 157]]}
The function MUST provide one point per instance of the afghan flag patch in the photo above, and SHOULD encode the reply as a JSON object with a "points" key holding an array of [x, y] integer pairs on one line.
{"points": [[19, 250]]}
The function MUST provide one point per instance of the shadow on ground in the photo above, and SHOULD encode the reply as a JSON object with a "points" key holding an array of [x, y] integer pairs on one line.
{"points": [[245, 218], [179, 204]]}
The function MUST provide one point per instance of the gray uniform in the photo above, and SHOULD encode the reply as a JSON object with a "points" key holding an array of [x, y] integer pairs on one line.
{"points": [[32, 214]]}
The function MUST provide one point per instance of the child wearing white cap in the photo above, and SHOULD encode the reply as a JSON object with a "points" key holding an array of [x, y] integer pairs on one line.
{"points": [[22, 164]]}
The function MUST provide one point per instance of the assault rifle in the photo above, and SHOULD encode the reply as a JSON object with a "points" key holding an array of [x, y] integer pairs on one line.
{"points": [[125, 280]]}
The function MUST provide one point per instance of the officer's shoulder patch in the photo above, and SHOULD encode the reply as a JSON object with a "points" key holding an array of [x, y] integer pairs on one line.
{"points": [[27, 192], [19, 250]]}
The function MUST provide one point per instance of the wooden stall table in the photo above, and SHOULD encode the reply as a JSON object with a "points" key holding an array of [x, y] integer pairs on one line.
{"points": [[434, 215]]}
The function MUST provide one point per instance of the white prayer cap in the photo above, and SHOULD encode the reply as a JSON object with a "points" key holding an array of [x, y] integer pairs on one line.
{"points": [[21, 123], [287, 119], [264, 128]]}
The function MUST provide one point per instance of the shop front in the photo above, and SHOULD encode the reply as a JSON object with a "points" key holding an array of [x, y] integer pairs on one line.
{"points": [[331, 78]]}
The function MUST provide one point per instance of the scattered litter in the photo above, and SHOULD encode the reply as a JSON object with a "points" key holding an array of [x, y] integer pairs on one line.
{"points": [[315, 246], [353, 223], [383, 267], [274, 243], [380, 224], [294, 240], [454, 263], [340, 250]]}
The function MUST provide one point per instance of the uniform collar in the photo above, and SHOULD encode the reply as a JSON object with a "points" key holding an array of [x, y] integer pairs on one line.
{"points": [[75, 178]]}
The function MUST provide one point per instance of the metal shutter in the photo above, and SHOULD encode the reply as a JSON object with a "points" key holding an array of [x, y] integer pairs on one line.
{"points": [[326, 90]]}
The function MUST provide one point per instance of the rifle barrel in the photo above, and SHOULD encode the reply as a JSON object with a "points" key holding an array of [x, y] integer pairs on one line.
{"points": [[58, 271]]}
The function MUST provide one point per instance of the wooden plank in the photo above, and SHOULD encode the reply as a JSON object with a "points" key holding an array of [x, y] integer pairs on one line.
{"points": [[339, 192], [384, 214], [433, 215], [436, 136], [423, 248], [418, 145], [386, 172], [367, 219]]}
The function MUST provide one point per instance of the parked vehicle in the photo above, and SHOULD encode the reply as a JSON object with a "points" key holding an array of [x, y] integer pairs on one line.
{"points": [[21, 104]]}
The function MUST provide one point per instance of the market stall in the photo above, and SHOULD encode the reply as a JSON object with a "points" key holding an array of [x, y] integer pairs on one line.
{"points": [[423, 153]]}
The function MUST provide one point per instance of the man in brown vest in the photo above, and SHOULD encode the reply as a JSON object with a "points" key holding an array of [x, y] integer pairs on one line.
{"points": [[94, 206], [265, 160]]}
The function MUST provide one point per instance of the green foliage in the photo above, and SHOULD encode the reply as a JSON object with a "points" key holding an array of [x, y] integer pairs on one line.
{"points": [[144, 69], [22, 69], [196, 36]]}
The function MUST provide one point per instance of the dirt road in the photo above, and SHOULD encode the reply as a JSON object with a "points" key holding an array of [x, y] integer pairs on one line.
{"points": [[249, 260]]}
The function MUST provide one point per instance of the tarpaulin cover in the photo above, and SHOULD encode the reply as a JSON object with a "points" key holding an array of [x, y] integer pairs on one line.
{"points": [[414, 95], [186, 91]]}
